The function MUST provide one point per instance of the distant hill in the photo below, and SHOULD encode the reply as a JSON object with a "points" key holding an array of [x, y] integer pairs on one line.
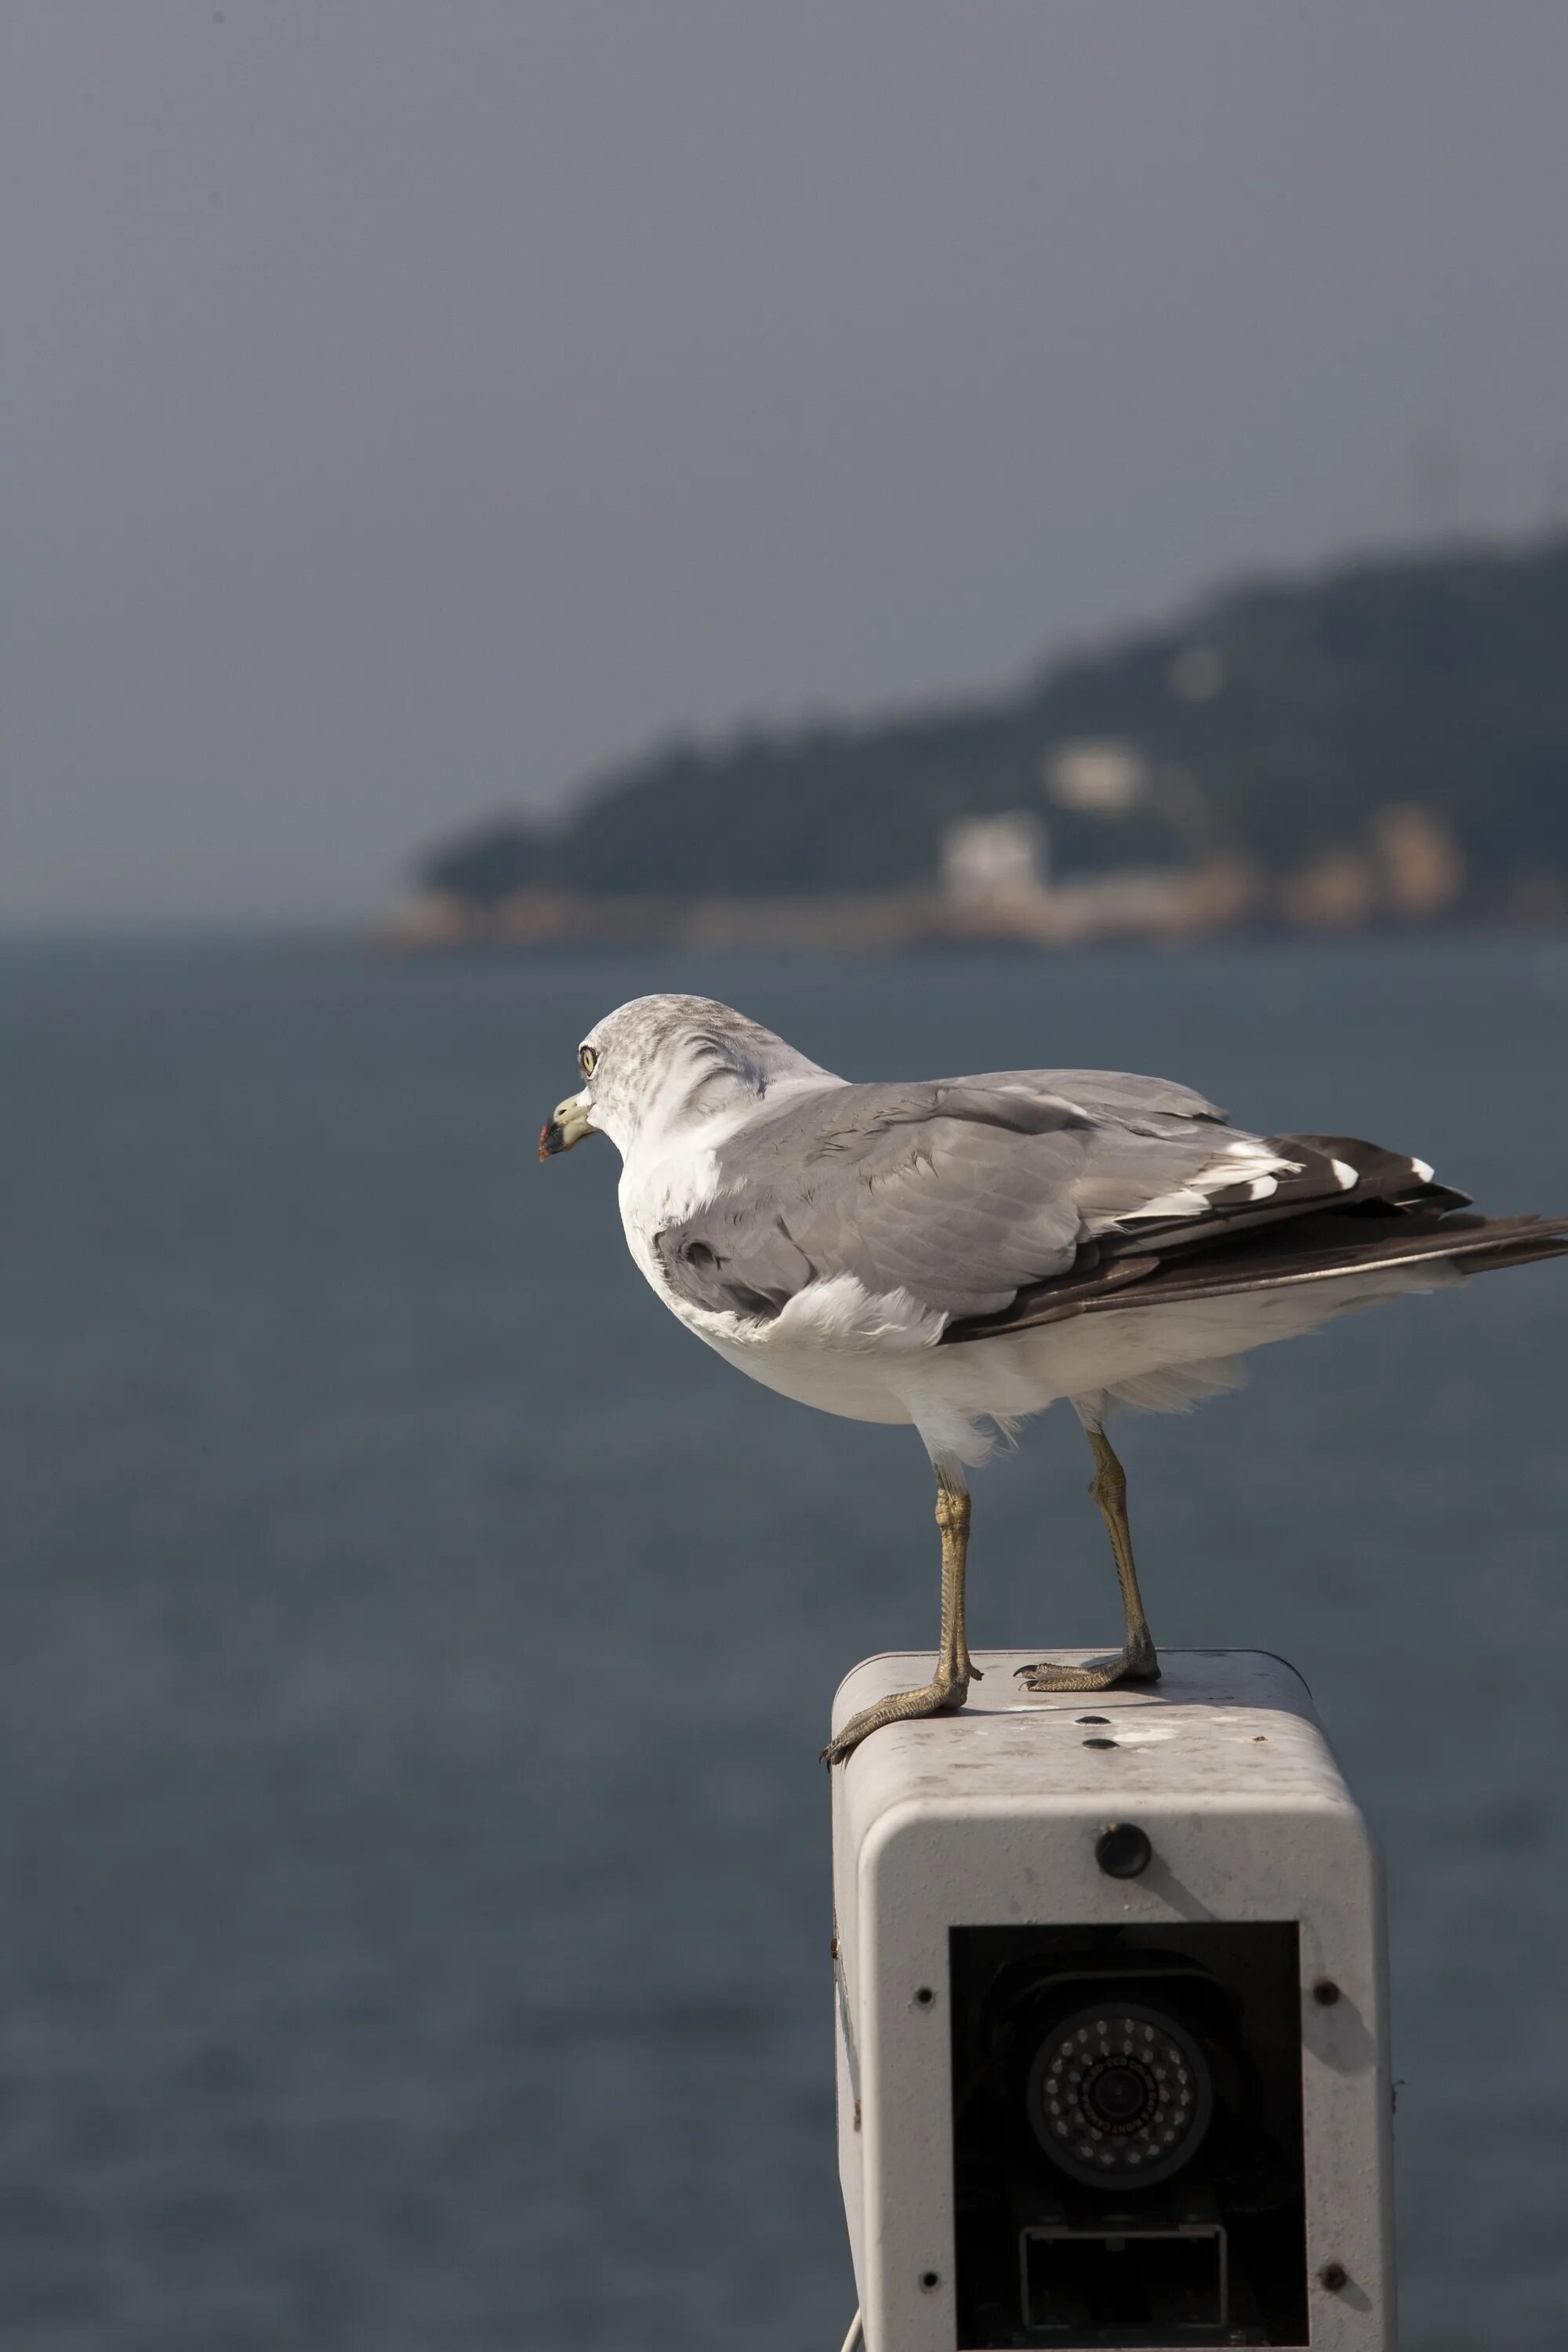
{"points": [[1269, 725]]}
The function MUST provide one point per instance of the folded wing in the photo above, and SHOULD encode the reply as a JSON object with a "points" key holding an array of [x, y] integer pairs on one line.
{"points": [[992, 1200]]}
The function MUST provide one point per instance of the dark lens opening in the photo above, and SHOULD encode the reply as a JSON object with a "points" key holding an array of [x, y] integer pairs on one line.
{"points": [[1118, 2095]]}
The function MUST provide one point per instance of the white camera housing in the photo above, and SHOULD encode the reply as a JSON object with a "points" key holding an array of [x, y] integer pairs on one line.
{"points": [[1126, 2090]]}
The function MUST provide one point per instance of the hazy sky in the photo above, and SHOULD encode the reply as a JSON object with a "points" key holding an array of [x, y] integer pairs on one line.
{"points": [[414, 404]]}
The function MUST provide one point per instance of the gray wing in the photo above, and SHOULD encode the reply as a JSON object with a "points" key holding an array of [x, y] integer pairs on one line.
{"points": [[962, 1192], [1120, 1095]]}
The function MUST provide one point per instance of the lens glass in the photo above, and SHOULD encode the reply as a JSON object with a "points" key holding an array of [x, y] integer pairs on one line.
{"points": [[1118, 2095]]}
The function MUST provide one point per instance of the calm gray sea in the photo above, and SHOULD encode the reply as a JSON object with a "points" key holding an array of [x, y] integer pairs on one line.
{"points": [[415, 1650]]}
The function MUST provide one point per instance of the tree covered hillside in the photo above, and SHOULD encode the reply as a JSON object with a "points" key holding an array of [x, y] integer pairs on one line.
{"points": [[1269, 723]]}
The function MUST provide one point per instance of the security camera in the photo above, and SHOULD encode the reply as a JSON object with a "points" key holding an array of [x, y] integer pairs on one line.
{"points": [[1112, 2057]]}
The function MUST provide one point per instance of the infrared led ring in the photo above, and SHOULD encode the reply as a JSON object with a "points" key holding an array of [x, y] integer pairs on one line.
{"points": [[1119, 2096]]}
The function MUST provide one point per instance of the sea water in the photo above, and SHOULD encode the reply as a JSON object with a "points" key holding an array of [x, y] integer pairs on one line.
{"points": [[416, 1649]]}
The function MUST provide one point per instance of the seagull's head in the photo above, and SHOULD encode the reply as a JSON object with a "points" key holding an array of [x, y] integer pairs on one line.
{"points": [[663, 1063]]}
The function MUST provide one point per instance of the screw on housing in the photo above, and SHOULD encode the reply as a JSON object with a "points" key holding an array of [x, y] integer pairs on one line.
{"points": [[1122, 1850]]}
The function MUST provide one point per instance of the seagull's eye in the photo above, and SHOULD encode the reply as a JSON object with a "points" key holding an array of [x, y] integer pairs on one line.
{"points": [[587, 1060]]}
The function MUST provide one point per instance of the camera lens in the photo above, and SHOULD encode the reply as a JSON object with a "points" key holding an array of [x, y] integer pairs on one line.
{"points": [[1120, 2094]]}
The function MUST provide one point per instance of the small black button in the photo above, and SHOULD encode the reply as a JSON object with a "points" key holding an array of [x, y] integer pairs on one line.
{"points": [[1122, 1850]]}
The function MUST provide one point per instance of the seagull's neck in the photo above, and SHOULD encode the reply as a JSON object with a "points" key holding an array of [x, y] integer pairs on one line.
{"points": [[673, 1145]]}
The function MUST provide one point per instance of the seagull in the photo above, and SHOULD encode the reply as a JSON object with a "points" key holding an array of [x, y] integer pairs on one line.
{"points": [[957, 1254]]}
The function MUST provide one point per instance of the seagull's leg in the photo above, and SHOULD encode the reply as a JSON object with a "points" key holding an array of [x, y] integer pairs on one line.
{"points": [[955, 1670], [1136, 1661], [952, 1519]]}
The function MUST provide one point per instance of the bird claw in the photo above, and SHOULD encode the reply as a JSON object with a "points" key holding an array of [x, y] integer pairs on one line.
{"points": [[941, 1696], [1127, 1666]]}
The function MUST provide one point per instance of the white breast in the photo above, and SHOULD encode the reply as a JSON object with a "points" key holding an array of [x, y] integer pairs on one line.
{"points": [[828, 1347], [655, 1193]]}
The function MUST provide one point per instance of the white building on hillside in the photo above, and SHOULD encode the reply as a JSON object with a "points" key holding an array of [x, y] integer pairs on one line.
{"points": [[987, 859]]}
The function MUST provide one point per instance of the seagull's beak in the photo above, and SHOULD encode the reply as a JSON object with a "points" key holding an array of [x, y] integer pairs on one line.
{"points": [[568, 1123]]}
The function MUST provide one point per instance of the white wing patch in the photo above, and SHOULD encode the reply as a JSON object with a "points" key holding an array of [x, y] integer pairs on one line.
{"points": [[1187, 1202], [1250, 1157], [1249, 1162], [1344, 1174]]}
